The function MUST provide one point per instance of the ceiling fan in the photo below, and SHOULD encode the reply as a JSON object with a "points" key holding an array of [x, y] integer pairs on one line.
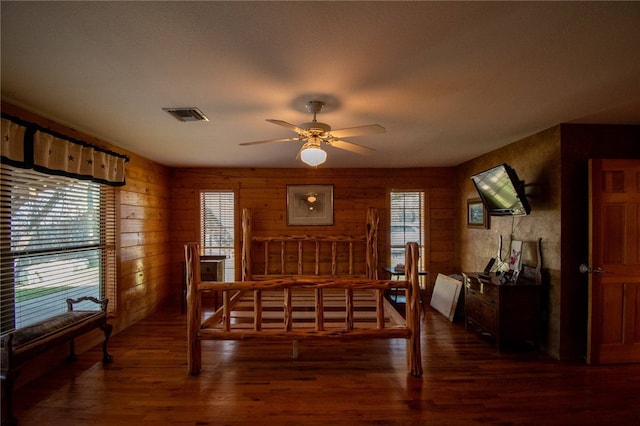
{"points": [[315, 132]]}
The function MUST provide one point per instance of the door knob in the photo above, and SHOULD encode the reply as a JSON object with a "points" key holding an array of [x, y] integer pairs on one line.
{"points": [[584, 269]]}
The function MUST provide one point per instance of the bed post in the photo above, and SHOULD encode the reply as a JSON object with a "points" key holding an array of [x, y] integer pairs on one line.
{"points": [[414, 356], [372, 243], [246, 245], [192, 271]]}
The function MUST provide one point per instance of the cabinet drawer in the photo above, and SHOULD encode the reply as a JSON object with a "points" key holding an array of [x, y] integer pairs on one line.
{"points": [[487, 294], [490, 293], [481, 313]]}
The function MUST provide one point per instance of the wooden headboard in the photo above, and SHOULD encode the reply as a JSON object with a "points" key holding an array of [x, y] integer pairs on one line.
{"points": [[286, 256]]}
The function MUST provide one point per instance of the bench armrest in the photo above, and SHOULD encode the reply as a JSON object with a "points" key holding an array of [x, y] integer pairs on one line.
{"points": [[6, 354], [103, 303]]}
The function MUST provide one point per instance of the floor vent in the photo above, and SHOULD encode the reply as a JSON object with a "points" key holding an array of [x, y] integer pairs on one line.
{"points": [[187, 114]]}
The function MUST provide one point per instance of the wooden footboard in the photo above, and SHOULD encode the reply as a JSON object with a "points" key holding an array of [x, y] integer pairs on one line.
{"points": [[304, 287], [309, 309]]}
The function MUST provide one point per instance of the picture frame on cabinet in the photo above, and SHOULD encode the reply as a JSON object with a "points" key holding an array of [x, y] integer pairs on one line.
{"points": [[515, 256], [309, 205], [477, 216], [529, 272]]}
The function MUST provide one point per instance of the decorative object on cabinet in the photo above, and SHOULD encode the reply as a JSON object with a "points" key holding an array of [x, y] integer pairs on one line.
{"points": [[508, 312], [500, 264], [309, 204], [489, 267], [525, 257], [531, 260], [529, 272], [477, 216], [515, 255]]}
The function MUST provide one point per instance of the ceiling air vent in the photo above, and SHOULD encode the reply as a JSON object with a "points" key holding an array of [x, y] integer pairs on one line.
{"points": [[187, 114]]}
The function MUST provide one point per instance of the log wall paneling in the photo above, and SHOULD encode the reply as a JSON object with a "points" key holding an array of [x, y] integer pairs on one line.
{"points": [[264, 192], [143, 240]]}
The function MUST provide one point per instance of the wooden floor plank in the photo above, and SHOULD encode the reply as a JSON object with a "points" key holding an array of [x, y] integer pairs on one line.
{"points": [[465, 382]]}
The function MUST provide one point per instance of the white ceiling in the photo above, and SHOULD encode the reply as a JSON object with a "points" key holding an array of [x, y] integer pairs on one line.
{"points": [[449, 81]]}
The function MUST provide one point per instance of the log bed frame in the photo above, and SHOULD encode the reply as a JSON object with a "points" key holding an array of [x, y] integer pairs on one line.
{"points": [[306, 304]]}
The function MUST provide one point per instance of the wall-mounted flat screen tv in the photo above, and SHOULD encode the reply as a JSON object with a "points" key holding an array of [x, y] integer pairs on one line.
{"points": [[502, 192]]}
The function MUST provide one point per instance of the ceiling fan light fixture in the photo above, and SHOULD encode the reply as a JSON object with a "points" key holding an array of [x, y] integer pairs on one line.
{"points": [[315, 133], [313, 155]]}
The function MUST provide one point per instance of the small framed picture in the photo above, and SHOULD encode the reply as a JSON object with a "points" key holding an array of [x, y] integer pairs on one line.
{"points": [[529, 272], [515, 255], [477, 216], [309, 204]]}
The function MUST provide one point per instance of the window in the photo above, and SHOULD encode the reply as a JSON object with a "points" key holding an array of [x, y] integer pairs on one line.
{"points": [[407, 223], [217, 228], [57, 237]]}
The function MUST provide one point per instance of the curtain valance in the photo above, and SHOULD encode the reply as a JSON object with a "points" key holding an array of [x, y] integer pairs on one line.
{"points": [[30, 146]]}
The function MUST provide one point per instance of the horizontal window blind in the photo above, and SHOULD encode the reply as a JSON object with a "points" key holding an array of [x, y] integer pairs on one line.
{"points": [[217, 228], [57, 242], [407, 223]]}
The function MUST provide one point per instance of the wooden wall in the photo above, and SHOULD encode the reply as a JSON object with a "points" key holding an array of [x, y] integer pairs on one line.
{"points": [[554, 165], [144, 263], [264, 192], [536, 160], [143, 237], [159, 212]]}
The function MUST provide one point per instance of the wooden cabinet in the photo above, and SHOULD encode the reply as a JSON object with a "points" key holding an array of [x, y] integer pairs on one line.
{"points": [[509, 314]]}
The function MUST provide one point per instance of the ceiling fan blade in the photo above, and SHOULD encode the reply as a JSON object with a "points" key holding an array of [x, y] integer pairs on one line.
{"points": [[350, 146], [271, 141], [287, 125], [357, 131]]}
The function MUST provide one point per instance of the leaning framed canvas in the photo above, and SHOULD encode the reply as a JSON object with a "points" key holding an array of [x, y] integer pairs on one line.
{"points": [[477, 216], [309, 204]]}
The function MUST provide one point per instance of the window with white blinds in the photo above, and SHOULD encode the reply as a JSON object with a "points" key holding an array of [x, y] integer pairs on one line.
{"points": [[217, 228], [57, 241], [407, 223]]}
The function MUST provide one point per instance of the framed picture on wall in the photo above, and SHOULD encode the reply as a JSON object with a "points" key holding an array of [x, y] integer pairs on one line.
{"points": [[477, 216], [309, 204]]}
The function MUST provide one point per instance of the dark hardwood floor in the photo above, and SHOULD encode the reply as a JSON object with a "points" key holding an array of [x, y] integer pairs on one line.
{"points": [[465, 382]]}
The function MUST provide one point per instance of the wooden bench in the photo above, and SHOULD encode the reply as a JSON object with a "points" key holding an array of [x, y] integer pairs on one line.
{"points": [[27, 342]]}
